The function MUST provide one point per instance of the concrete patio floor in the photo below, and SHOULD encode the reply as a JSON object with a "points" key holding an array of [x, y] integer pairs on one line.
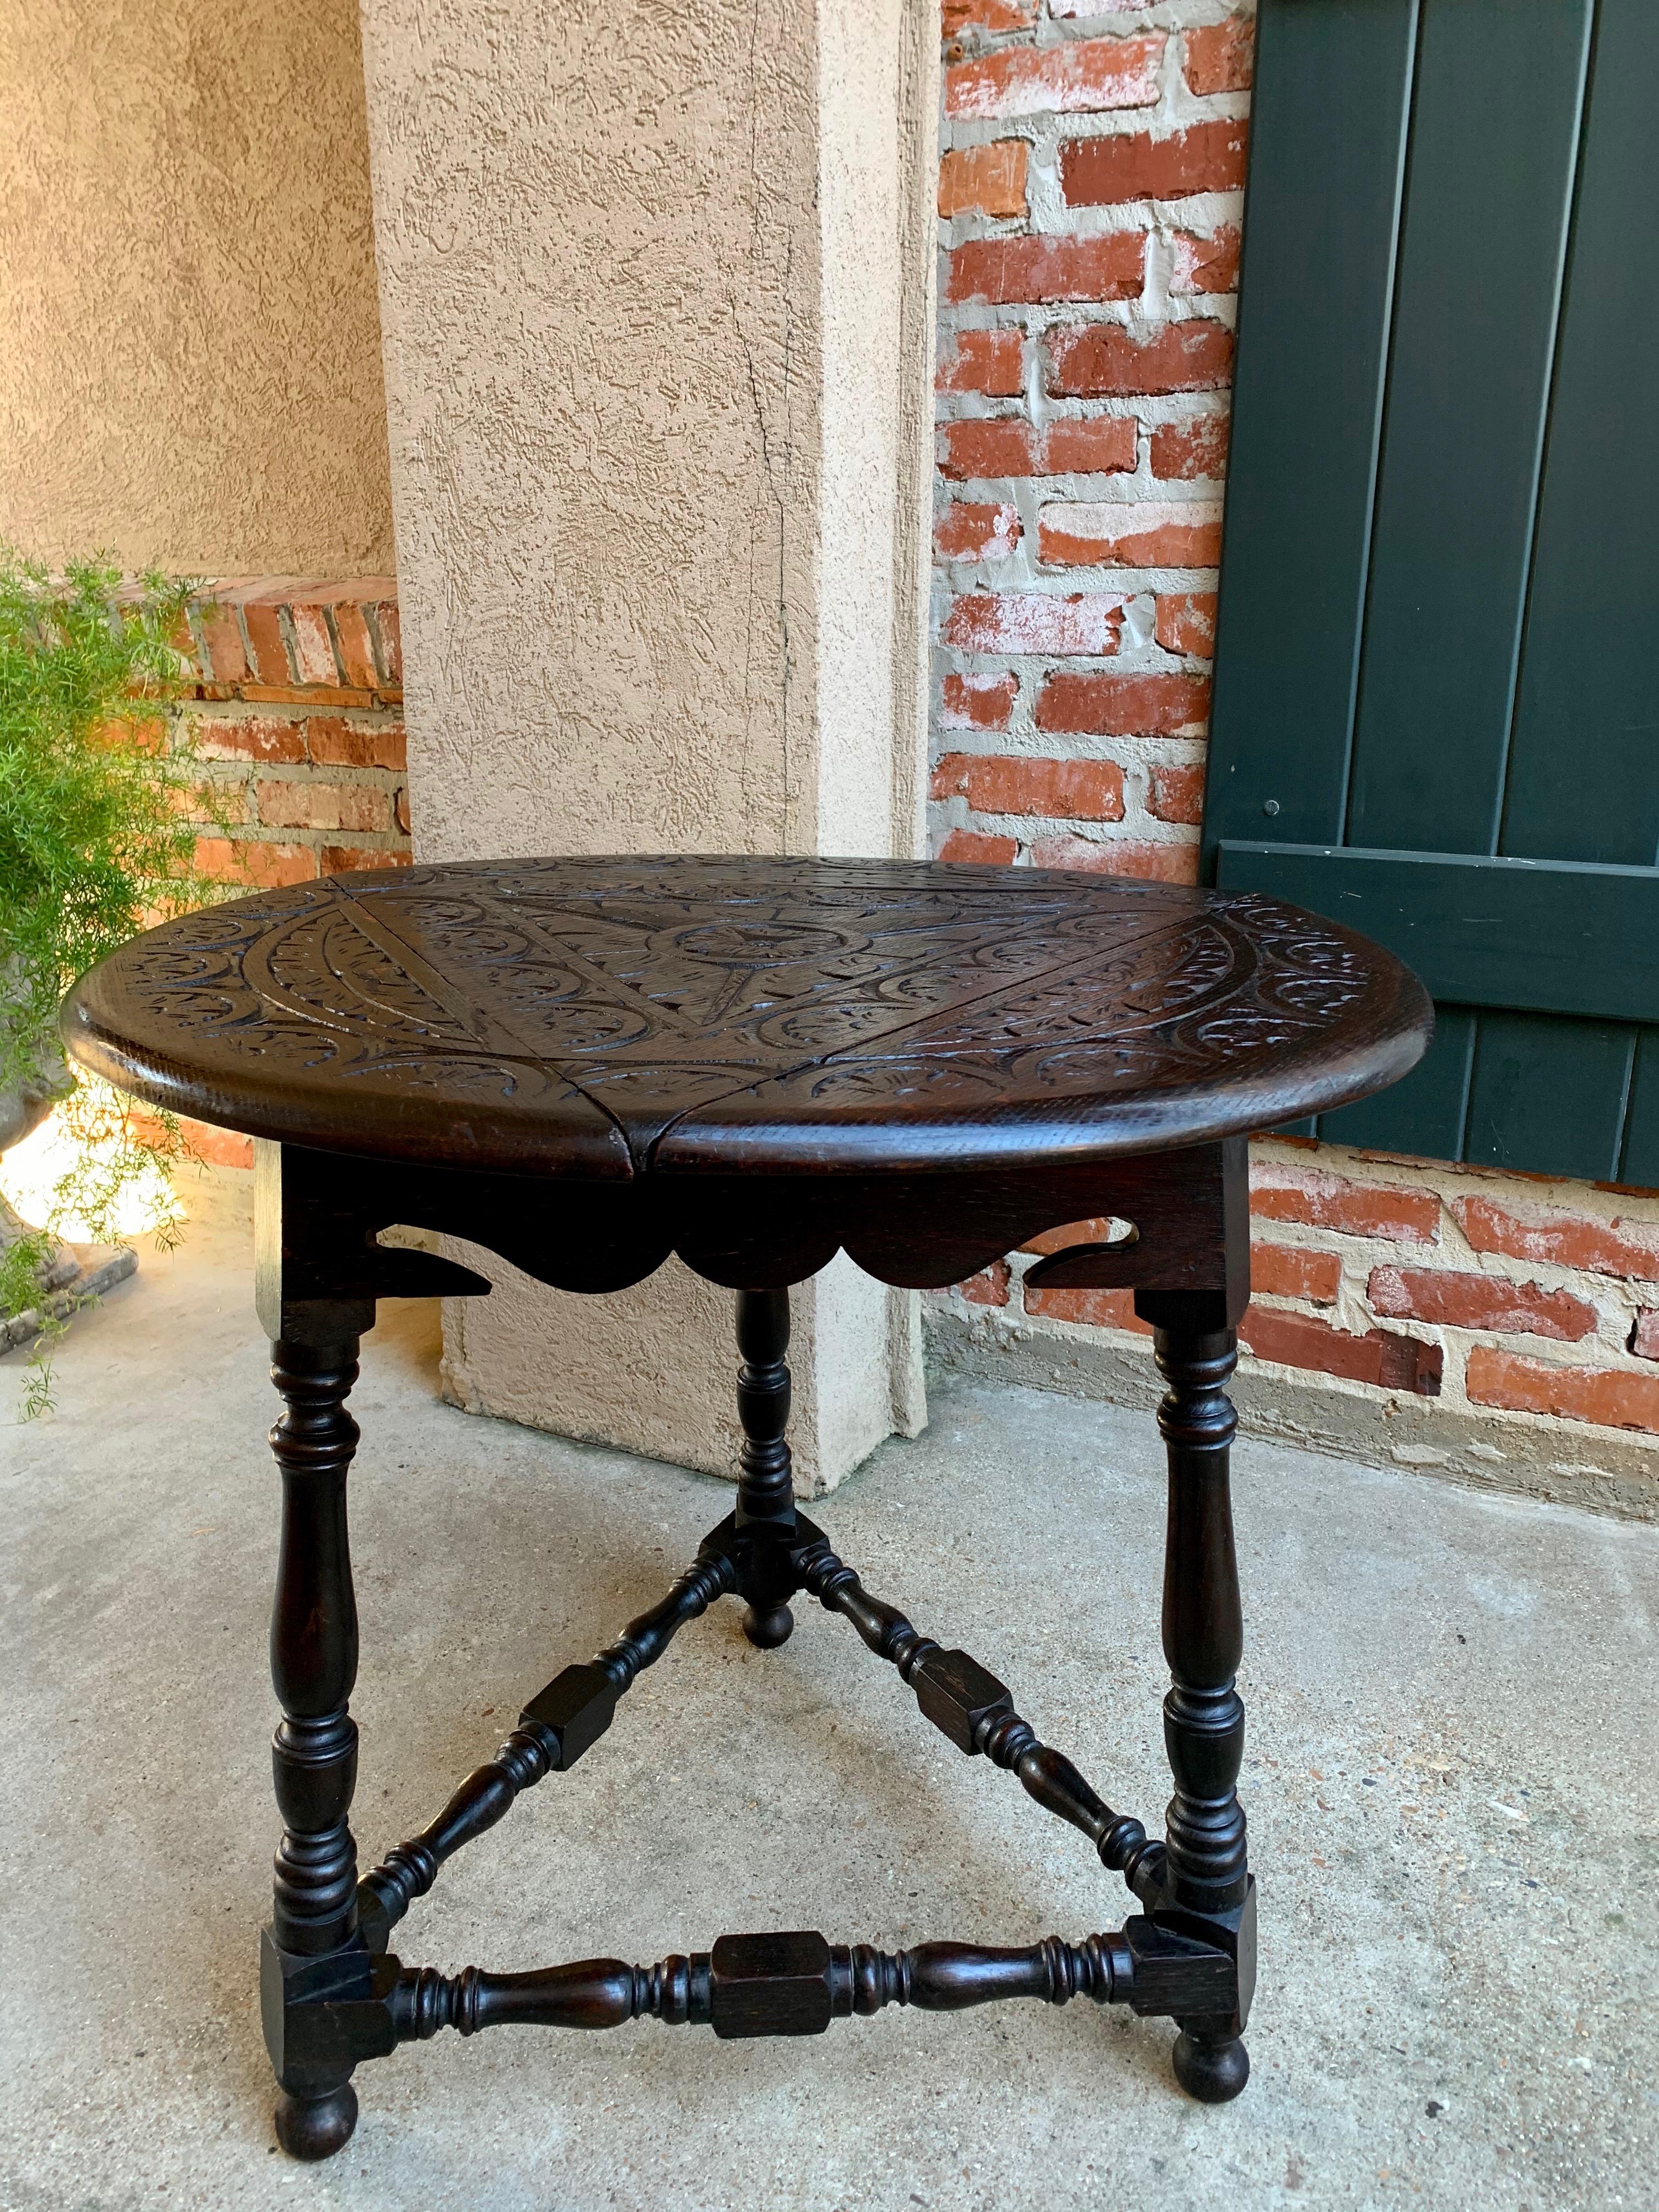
{"points": [[1449, 1780]]}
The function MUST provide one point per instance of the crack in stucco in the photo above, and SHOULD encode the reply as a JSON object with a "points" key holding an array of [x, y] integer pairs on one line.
{"points": [[759, 200]]}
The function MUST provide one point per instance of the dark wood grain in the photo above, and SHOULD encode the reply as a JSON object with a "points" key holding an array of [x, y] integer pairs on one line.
{"points": [[314, 1664], [1208, 1886], [793, 1982], [318, 1218], [583, 1067], [606, 1019], [780, 1983], [765, 1511]]}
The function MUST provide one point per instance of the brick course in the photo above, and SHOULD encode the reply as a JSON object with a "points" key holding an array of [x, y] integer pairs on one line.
{"points": [[977, 701], [1004, 270], [1483, 1301], [296, 712], [1093, 1309], [961, 19], [1207, 157], [1086, 623], [1207, 262], [1379, 1356], [1143, 534], [1008, 447], [1217, 57], [1079, 76], [1066, 791], [1196, 448], [1185, 622], [282, 780], [1292, 1271], [1361, 1278], [1603, 1248], [991, 361], [1280, 1193], [976, 530], [1609, 1399], [984, 179], [1090, 210], [1107, 360], [1123, 706]]}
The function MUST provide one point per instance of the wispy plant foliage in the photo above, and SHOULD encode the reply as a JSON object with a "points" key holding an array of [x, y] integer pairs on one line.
{"points": [[96, 842], [95, 838]]}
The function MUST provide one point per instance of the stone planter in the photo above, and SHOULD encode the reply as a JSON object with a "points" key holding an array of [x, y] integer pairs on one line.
{"points": [[72, 1272]]}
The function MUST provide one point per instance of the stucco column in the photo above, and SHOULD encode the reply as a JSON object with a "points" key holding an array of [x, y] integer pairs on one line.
{"points": [[654, 294]]}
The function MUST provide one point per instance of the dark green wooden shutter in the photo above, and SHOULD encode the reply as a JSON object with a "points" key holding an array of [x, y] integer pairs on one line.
{"points": [[1437, 710]]}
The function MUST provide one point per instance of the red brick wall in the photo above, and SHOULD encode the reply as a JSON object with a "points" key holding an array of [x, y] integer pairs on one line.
{"points": [[297, 719], [1089, 204], [1500, 1295]]}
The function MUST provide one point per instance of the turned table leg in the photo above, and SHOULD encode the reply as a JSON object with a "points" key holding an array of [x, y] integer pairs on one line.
{"points": [[1207, 1881], [766, 1485], [311, 1946]]}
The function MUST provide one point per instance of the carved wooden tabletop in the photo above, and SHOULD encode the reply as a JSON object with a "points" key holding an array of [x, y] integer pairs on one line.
{"points": [[605, 1017]]}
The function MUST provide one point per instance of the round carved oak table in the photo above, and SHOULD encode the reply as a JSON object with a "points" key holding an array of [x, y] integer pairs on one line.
{"points": [[584, 1066]]}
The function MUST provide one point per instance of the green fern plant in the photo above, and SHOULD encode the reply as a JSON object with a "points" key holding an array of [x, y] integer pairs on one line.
{"points": [[96, 793], [92, 840]]}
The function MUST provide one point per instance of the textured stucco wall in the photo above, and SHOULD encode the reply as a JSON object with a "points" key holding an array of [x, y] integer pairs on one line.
{"points": [[596, 233], [190, 369], [654, 300]]}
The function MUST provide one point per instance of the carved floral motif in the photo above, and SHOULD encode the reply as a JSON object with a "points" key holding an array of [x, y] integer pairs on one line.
{"points": [[655, 990]]}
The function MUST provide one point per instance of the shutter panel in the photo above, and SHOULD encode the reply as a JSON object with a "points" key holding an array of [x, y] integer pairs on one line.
{"points": [[1434, 714]]}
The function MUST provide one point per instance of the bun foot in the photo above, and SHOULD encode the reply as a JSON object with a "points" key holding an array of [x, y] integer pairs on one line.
{"points": [[316, 2127], [1212, 2068], [768, 1629]]}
